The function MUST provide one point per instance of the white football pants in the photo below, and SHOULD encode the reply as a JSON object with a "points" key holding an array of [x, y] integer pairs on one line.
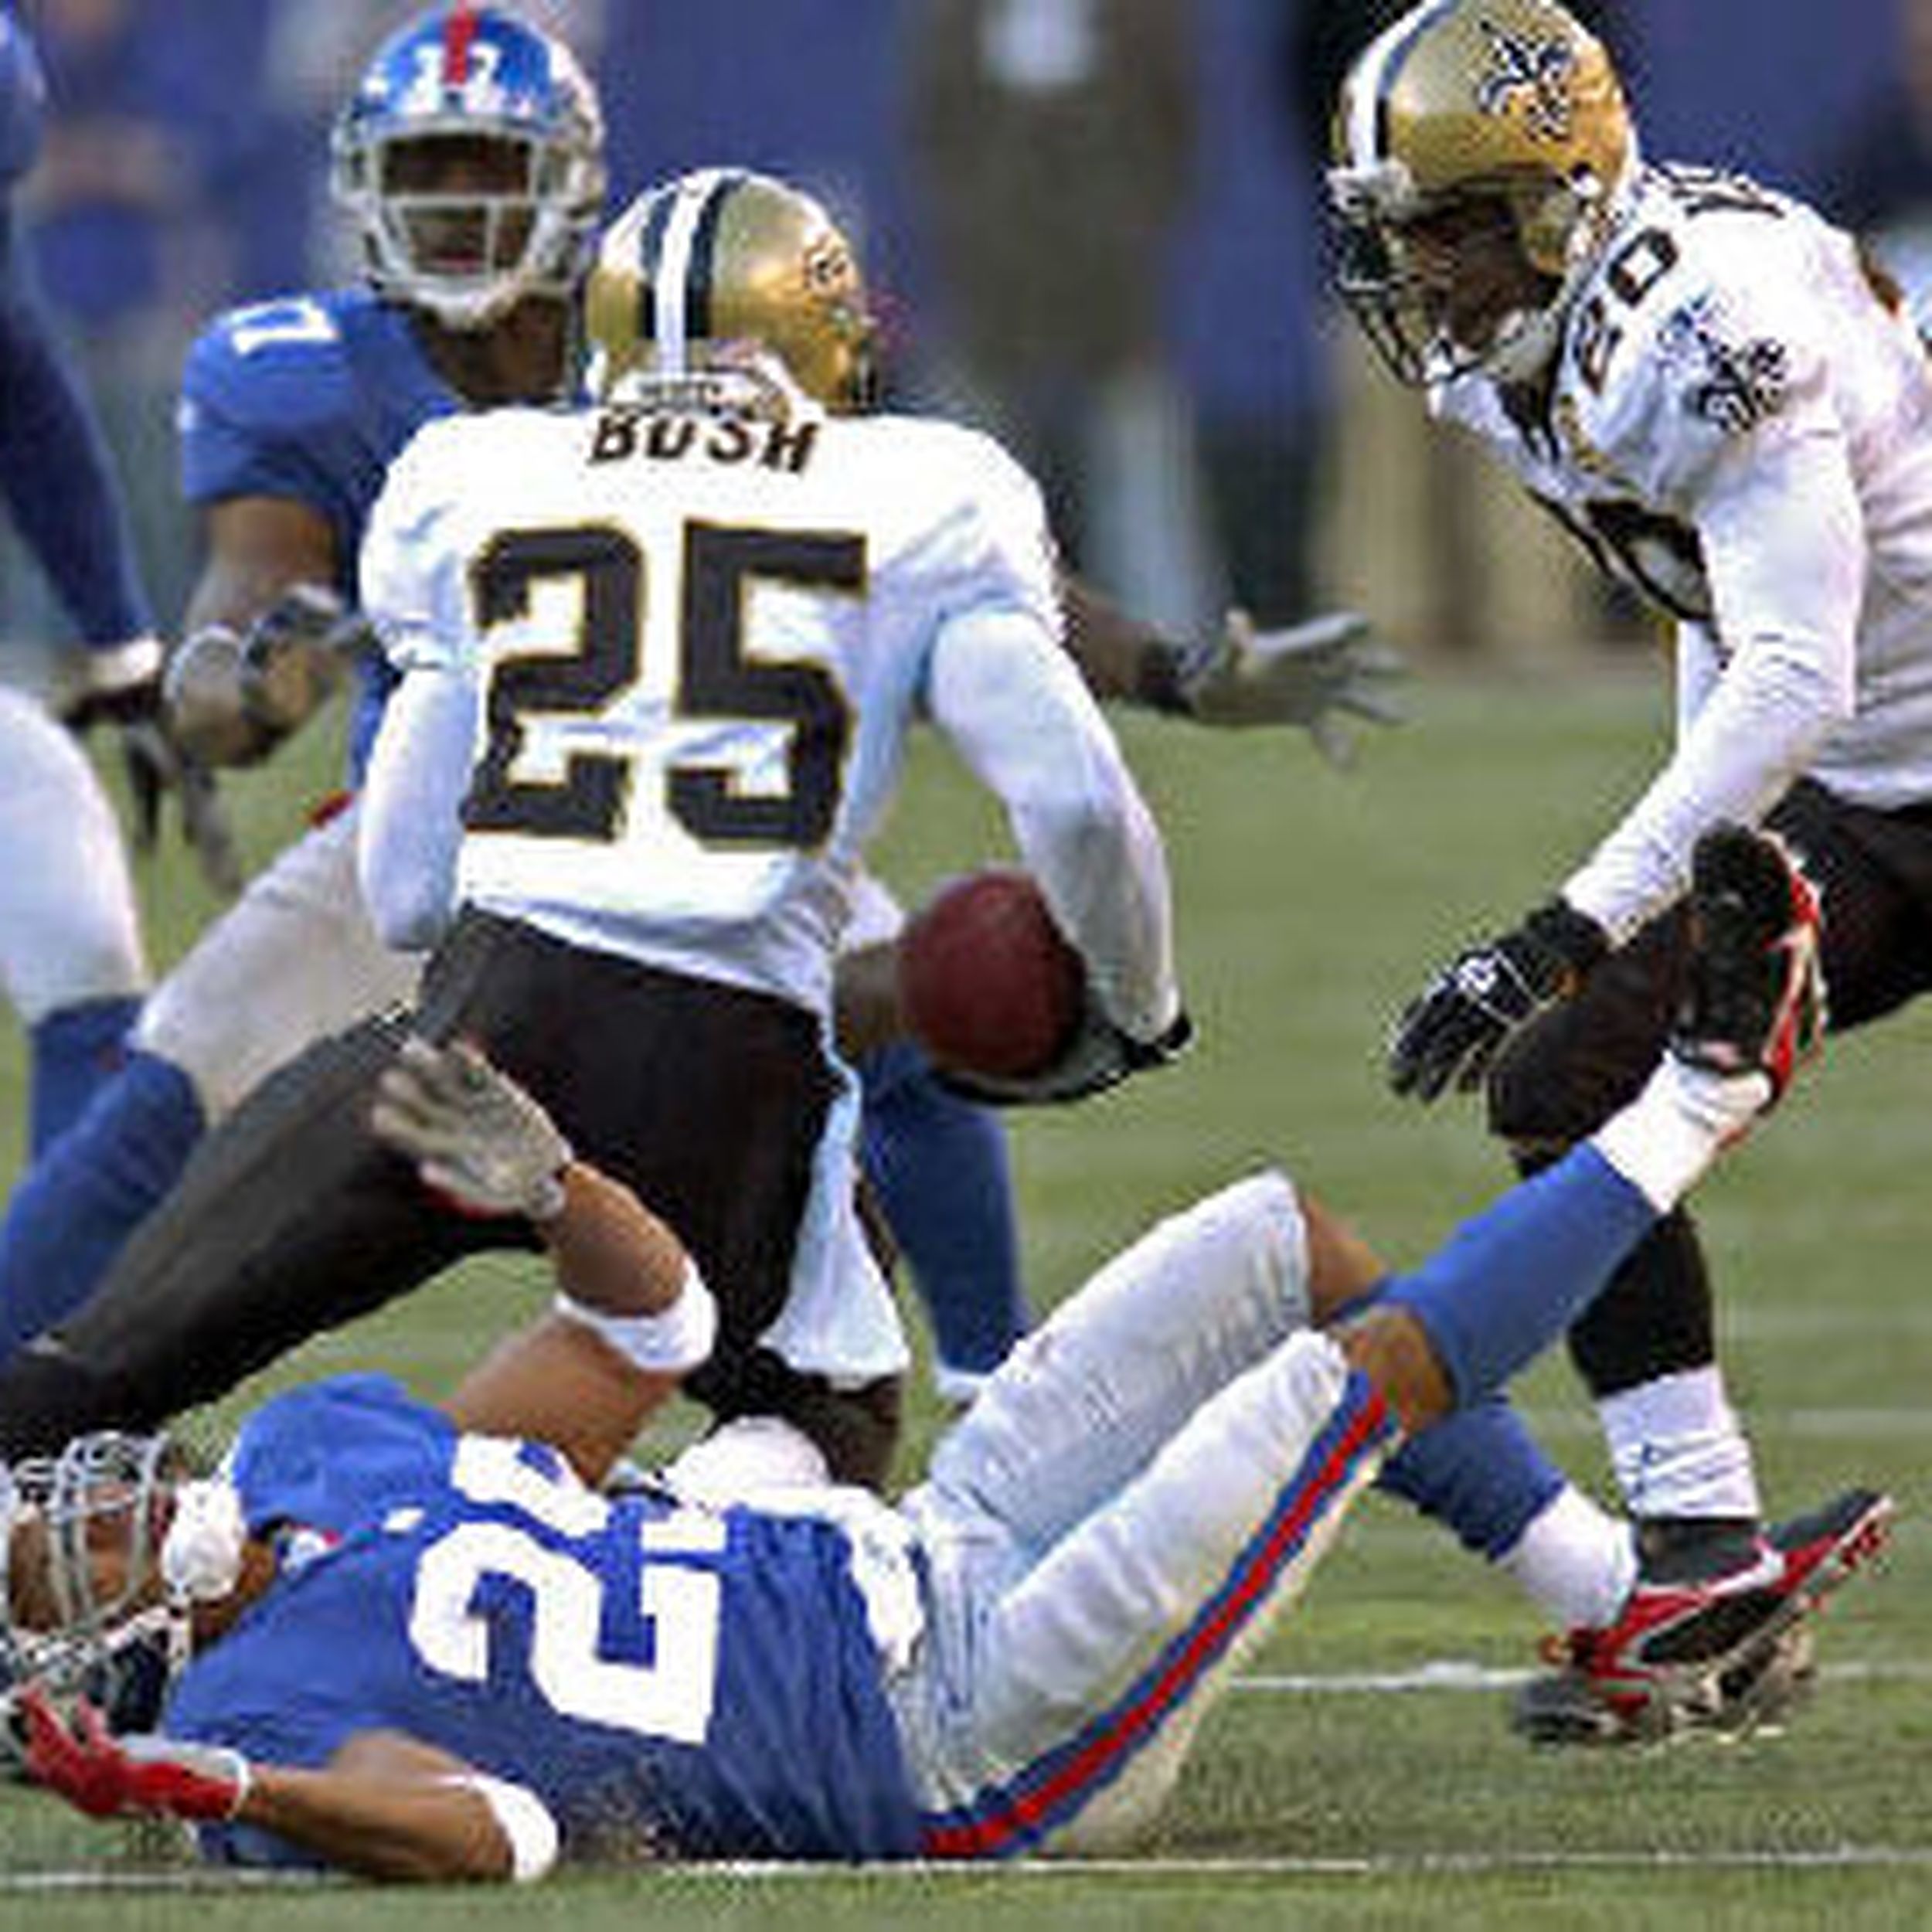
{"points": [[1146, 1482], [69, 931], [293, 959]]}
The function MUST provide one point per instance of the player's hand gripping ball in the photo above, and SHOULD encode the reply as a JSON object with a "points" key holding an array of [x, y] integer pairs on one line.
{"points": [[986, 983]]}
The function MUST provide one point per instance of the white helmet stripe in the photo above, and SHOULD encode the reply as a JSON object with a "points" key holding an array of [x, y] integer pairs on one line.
{"points": [[698, 196], [1375, 74]]}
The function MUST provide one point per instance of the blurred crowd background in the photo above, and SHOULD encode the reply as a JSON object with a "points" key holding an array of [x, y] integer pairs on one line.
{"points": [[1094, 225]]}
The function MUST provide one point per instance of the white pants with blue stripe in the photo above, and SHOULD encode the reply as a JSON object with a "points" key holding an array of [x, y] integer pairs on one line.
{"points": [[1148, 1480]]}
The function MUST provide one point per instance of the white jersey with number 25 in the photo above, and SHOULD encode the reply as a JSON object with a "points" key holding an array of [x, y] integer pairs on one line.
{"points": [[696, 643]]}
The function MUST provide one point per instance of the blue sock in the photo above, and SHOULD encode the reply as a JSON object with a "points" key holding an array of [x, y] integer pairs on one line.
{"points": [[1508, 1282], [75, 1050], [938, 1164], [87, 1193], [1480, 1472]]}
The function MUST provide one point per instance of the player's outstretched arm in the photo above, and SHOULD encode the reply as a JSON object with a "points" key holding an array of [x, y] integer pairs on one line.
{"points": [[1322, 675], [385, 1806], [632, 1316]]}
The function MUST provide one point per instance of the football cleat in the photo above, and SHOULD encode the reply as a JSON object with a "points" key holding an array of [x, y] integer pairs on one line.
{"points": [[1755, 1000], [1728, 1655]]}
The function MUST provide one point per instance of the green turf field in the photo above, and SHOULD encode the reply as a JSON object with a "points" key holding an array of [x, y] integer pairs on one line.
{"points": [[1332, 1788]]}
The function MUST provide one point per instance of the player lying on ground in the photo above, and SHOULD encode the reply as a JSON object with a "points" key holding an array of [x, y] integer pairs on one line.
{"points": [[459, 1659]]}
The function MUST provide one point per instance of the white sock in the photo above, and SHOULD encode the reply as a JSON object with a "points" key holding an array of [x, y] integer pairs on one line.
{"points": [[1678, 1449], [1664, 1140], [1575, 1562]]}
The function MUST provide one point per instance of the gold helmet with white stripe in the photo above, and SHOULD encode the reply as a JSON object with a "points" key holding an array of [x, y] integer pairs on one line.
{"points": [[710, 273], [1480, 146]]}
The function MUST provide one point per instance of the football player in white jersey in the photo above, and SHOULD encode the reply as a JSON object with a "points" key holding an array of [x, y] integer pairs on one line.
{"points": [[661, 676], [1723, 399], [657, 660]]}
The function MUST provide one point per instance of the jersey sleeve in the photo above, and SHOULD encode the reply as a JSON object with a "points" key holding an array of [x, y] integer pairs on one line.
{"points": [[1728, 417], [56, 472], [986, 545], [410, 573], [264, 394]]}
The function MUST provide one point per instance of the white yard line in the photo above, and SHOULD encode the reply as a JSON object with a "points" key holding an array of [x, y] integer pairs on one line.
{"points": [[1404, 1865], [1460, 1674]]}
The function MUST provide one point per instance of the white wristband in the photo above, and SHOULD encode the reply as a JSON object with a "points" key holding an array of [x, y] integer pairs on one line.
{"points": [[523, 1818], [669, 1343]]}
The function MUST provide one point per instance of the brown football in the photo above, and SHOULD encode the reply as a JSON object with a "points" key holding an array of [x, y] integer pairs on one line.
{"points": [[986, 982]]}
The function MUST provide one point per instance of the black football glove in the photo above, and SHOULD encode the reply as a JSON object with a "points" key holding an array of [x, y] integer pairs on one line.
{"points": [[158, 770], [1449, 1033], [1099, 1055]]}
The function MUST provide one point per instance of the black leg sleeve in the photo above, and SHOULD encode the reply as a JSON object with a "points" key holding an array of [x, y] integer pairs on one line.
{"points": [[1653, 1319], [290, 1220]]}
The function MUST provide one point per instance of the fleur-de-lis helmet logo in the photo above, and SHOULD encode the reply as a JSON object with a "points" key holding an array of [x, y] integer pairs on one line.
{"points": [[1539, 74]]}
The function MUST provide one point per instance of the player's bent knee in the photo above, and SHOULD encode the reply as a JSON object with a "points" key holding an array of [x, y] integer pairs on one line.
{"points": [[1391, 1348]]}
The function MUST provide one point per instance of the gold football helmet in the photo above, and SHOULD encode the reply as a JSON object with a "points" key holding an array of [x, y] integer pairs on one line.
{"points": [[716, 270], [1479, 147]]}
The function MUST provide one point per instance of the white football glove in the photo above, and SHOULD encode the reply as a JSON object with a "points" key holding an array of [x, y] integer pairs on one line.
{"points": [[477, 1138], [1306, 674], [231, 696]]}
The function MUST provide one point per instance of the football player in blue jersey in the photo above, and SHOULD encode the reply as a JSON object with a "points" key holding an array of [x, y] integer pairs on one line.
{"points": [[470, 155], [71, 957], [426, 1643]]}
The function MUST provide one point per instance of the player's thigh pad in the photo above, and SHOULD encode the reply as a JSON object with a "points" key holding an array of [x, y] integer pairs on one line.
{"points": [[295, 958], [1057, 1693], [1085, 1402], [68, 928]]}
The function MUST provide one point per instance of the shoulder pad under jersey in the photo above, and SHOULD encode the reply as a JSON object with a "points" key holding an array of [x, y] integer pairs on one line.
{"points": [[1687, 338]]}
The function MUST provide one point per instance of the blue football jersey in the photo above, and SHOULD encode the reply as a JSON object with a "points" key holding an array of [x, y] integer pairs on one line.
{"points": [[669, 1681], [308, 398]]}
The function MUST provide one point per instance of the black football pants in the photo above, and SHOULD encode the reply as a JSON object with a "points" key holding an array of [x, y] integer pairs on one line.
{"points": [[709, 1101]]}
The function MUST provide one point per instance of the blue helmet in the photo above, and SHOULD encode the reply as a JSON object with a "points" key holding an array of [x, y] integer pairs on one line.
{"points": [[471, 155]]}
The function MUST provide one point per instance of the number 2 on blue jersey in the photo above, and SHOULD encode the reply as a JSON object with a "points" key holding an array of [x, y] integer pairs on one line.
{"points": [[670, 1697]]}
